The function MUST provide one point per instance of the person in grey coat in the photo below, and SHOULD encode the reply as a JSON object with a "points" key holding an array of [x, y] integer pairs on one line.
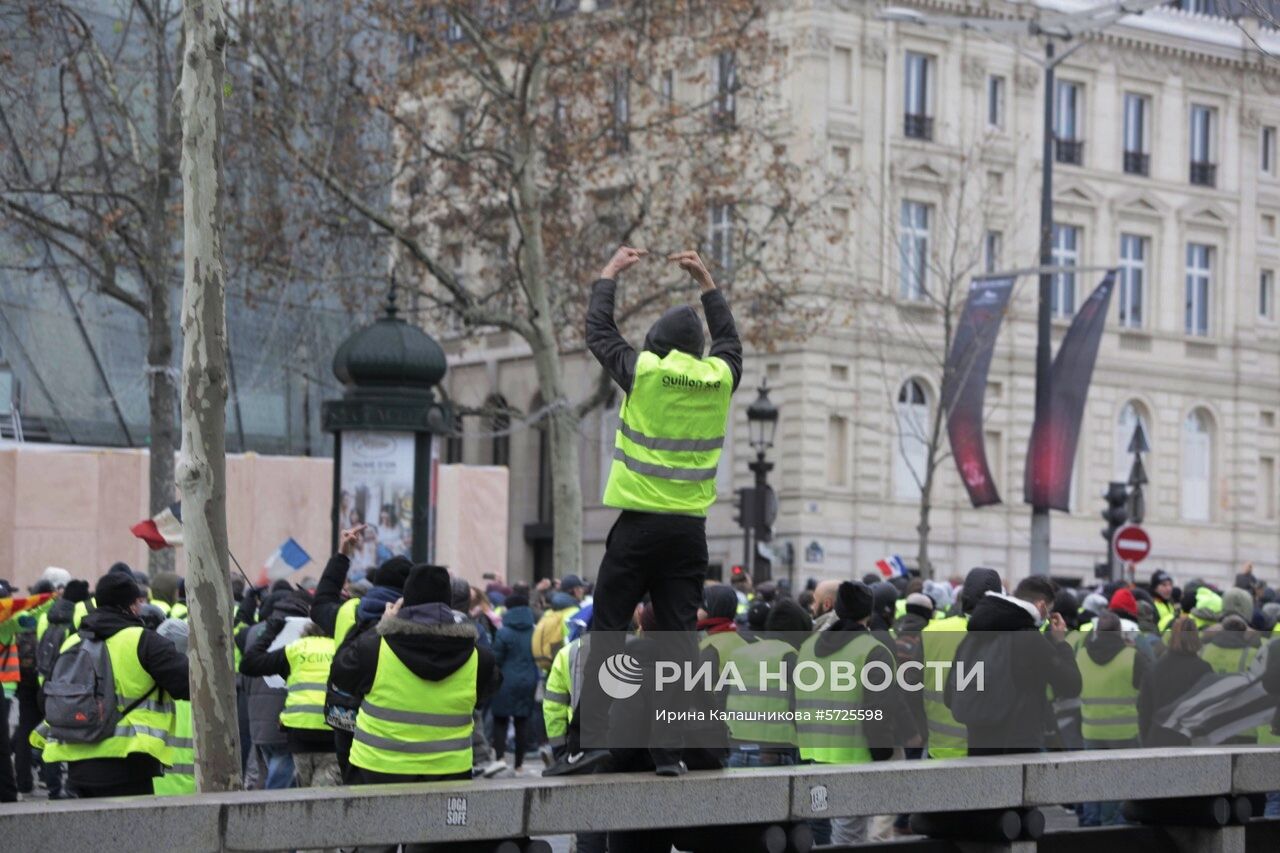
{"points": [[514, 701], [266, 703]]}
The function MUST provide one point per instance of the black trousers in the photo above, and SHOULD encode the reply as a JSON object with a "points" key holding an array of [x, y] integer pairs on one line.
{"points": [[664, 556], [28, 719], [523, 730], [126, 788]]}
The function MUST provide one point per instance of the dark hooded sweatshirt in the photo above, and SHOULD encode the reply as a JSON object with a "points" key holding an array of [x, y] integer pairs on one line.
{"points": [[162, 662], [679, 328], [431, 640], [1040, 668], [1170, 679]]}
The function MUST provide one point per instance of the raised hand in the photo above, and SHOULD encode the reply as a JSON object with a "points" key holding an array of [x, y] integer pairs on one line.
{"points": [[623, 259], [349, 540], [692, 263]]}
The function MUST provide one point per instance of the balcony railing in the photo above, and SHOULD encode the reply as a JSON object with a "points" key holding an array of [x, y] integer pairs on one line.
{"points": [[1204, 174], [918, 126], [1069, 151], [1137, 163]]}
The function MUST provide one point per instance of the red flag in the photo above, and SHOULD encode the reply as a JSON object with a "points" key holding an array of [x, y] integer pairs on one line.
{"points": [[12, 606]]}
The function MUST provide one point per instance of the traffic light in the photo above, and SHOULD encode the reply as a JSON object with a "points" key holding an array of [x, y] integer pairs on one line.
{"points": [[1117, 511], [746, 510]]}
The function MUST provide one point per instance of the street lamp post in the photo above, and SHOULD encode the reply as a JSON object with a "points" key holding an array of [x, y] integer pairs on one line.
{"points": [[1054, 28], [762, 418]]}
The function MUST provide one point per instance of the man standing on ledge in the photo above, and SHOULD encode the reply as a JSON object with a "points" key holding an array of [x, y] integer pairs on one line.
{"points": [[663, 478]]}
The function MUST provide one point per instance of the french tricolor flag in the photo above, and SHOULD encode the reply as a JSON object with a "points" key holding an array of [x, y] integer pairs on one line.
{"points": [[284, 561], [892, 566], [163, 530]]}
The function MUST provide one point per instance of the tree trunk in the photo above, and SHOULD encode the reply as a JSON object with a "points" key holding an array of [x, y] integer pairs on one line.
{"points": [[161, 396], [202, 471]]}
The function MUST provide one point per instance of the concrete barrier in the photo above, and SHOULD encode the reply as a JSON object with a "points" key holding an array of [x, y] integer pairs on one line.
{"points": [[455, 812]]}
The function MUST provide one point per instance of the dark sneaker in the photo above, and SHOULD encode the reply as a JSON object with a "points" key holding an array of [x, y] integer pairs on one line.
{"points": [[677, 769], [575, 763]]}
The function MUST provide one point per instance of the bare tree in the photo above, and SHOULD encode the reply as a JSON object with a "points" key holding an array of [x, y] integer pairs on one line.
{"points": [[913, 319], [202, 472], [530, 140], [86, 117]]}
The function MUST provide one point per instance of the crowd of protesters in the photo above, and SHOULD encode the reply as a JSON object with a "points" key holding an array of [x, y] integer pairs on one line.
{"points": [[406, 674]]}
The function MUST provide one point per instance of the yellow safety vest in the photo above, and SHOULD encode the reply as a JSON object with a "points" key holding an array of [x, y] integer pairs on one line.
{"points": [[725, 643], [822, 732], [756, 699], [939, 641], [145, 729], [558, 694], [345, 620], [414, 727], [1227, 660], [1108, 699], [181, 777], [670, 436], [310, 659]]}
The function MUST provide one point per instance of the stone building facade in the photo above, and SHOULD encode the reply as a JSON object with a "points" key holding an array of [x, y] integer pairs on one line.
{"points": [[1166, 167]]}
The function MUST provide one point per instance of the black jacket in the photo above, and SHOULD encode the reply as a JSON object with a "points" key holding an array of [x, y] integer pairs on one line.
{"points": [[619, 358], [1172, 677], [328, 598], [430, 651], [162, 662], [1040, 669]]}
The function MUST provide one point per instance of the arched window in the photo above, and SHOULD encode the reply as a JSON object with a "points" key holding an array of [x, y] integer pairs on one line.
{"points": [[1197, 465], [911, 449], [1131, 415], [498, 421]]}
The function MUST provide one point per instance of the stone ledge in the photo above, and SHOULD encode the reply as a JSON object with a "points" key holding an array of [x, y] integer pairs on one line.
{"points": [[893, 787], [1145, 774], [131, 824], [1256, 770]]}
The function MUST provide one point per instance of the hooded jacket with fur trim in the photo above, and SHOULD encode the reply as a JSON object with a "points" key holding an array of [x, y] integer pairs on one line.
{"points": [[431, 640]]}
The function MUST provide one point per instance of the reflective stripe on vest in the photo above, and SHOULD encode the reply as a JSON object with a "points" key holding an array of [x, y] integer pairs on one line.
{"points": [[10, 671], [345, 620], [146, 729], [1108, 699], [180, 778], [309, 661], [939, 641], [410, 726], [748, 658], [671, 434], [828, 741]]}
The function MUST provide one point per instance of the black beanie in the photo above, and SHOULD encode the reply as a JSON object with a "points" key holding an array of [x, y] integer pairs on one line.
{"points": [[719, 601], [853, 600], [786, 615], [758, 615], [426, 584], [394, 572], [76, 591], [122, 568], [117, 589]]}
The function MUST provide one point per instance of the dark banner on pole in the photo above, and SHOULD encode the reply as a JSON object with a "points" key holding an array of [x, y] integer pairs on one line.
{"points": [[1052, 452], [965, 383]]}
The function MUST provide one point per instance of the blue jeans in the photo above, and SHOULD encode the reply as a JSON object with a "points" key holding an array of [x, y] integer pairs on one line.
{"points": [[279, 766], [1273, 804]]}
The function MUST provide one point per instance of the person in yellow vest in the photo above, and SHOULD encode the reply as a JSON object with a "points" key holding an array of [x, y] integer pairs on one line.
{"points": [[823, 741], [419, 676], [763, 742], [1111, 675], [672, 426], [1231, 645], [180, 777], [1161, 589], [719, 637], [939, 641], [304, 664], [149, 675]]}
